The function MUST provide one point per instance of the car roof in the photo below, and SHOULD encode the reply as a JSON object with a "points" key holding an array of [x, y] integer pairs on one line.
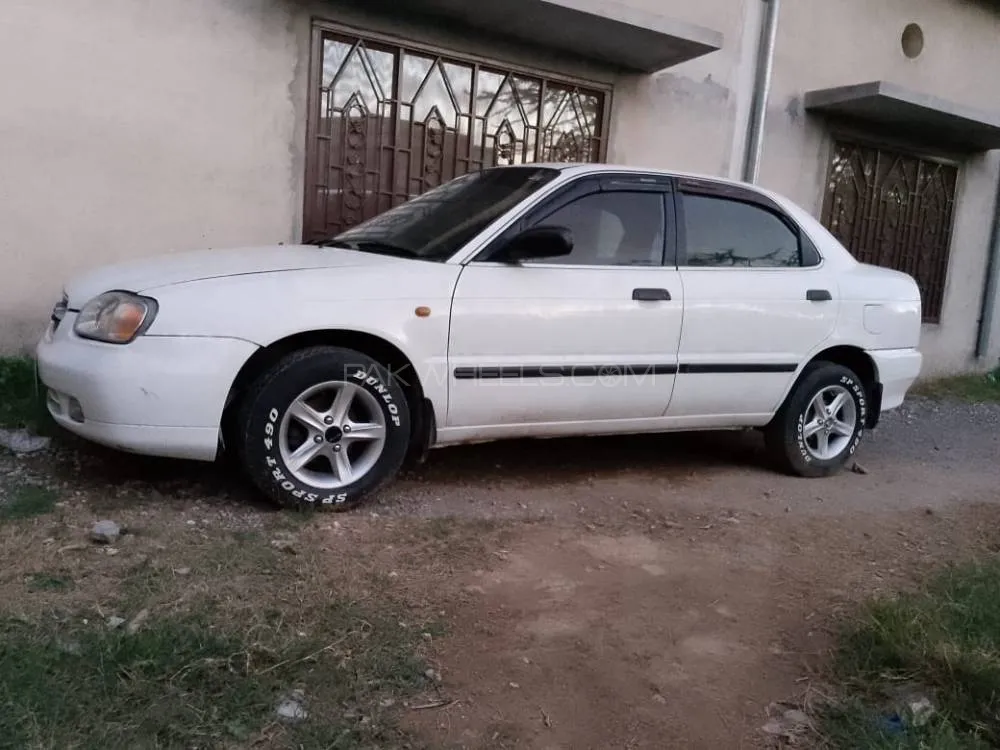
{"points": [[575, 169], [578, 168]]}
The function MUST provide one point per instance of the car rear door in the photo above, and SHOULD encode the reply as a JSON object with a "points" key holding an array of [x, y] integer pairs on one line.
{"points": [[758, 301]]}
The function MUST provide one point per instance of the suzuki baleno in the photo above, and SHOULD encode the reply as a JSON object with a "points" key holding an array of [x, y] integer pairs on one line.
{"points": [[528, 301]]}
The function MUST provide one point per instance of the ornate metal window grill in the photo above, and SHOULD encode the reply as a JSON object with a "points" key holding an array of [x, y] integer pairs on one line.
{"points": [[388, 122], [895, 210]]}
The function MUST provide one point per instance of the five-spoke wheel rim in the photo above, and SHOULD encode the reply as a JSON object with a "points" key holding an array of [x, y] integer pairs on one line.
{"points": [[332, 435], [829, 422]]}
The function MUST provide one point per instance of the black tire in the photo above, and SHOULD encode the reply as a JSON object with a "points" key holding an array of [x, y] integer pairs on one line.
{"points": [[788, 448], [263, 410]]}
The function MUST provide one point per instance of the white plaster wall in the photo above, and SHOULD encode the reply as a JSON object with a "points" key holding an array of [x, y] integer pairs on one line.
{"points": [[129, 128], [133, 128], [949, 346], [693, 117], [687, 118], [824, 44]]}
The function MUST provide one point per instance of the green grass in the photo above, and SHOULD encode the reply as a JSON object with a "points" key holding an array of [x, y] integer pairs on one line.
{"points": [[27, 501], [186, 682], [945, 638], [855, 727], [976, 388], [21, 403], [49, 582]]}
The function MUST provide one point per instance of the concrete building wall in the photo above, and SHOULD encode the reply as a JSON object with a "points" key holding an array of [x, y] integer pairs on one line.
{"points": [[822, 44], [137, 128], [692, 116], [130, 128]]}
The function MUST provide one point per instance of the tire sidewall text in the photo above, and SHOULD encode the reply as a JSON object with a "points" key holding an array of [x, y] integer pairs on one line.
{"points": [[263, 434], [857, 392]]}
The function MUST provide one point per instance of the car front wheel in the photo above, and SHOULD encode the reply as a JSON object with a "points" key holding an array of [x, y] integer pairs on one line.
{"points": [[818, 429], [324, 428]]}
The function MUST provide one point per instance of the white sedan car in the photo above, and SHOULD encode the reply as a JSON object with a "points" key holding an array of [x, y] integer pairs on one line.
{"points": [[528, 301]]}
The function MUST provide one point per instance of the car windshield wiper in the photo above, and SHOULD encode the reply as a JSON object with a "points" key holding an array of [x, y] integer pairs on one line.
{"points": [[386, 248], [372, 246]]}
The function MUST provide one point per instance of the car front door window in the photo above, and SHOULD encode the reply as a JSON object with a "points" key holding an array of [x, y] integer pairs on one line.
{"points": [[620, 228]]}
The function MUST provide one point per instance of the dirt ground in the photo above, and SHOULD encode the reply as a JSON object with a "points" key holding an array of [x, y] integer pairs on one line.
{"points": [[638, 592]]}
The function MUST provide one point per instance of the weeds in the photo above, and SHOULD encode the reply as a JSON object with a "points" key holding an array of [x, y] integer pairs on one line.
{"points": [[946, 639], [856, 726], [49, 582], [27, 501], [184, 682], [975, 388], [20, 400]]}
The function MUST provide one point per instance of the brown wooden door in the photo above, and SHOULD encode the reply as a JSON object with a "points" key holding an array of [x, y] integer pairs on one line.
{"points": [[388, 122]]}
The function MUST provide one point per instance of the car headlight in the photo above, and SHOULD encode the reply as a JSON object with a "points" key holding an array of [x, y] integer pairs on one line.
{"points": [[115, 317]]}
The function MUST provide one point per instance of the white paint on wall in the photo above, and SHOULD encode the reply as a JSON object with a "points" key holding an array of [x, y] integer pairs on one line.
{"points": [[132, 128], [960, 62]]}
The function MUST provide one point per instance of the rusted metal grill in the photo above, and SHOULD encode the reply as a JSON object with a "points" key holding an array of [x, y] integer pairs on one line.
{"points": [[894, 209], [389, 122]]}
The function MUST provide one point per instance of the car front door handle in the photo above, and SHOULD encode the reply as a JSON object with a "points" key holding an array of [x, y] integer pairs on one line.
{"points": [[650, 295], [819, 295]]}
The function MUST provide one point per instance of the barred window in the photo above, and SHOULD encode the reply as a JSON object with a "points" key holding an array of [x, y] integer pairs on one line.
{"points": [[894, 209], [389, 122]]}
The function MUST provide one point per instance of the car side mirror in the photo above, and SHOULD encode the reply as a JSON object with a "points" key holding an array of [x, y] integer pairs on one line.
{"points": [[537, 242]]}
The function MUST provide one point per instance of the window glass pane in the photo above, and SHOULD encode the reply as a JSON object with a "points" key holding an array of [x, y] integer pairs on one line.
{"points": [[613, 229], [727, 233], [436, 224], [810, 255]]}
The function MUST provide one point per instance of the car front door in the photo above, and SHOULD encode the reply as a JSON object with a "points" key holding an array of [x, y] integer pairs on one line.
{"points": [[758, 302], [587, 337]]}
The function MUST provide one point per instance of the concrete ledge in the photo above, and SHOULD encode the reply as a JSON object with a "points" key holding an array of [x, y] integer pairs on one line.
{"points": [[600, 30], [933, 120]]}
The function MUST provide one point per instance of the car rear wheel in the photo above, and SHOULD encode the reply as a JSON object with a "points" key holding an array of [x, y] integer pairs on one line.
{"points": [[818, 429], [324, 428]]}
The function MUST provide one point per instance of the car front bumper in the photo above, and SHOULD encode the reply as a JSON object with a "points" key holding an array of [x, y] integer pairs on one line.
{"points": [[159, 395]]}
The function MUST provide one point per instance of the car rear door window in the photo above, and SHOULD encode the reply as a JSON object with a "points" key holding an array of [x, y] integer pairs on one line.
{"points": [[726, 233]]}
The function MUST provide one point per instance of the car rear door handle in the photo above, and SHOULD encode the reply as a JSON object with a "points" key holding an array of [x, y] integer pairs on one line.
{"points": [[650, 295], [818, 295]]}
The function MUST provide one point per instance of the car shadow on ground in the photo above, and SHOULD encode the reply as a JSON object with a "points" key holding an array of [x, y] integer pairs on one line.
{"points": [[112, 476], [566, 460], [95, 469]]}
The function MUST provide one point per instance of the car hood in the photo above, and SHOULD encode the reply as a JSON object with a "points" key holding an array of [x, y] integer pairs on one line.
{"points": [[145, 274]]}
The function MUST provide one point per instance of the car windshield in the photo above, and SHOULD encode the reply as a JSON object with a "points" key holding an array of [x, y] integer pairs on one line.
{"points": [[436, 224]]}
